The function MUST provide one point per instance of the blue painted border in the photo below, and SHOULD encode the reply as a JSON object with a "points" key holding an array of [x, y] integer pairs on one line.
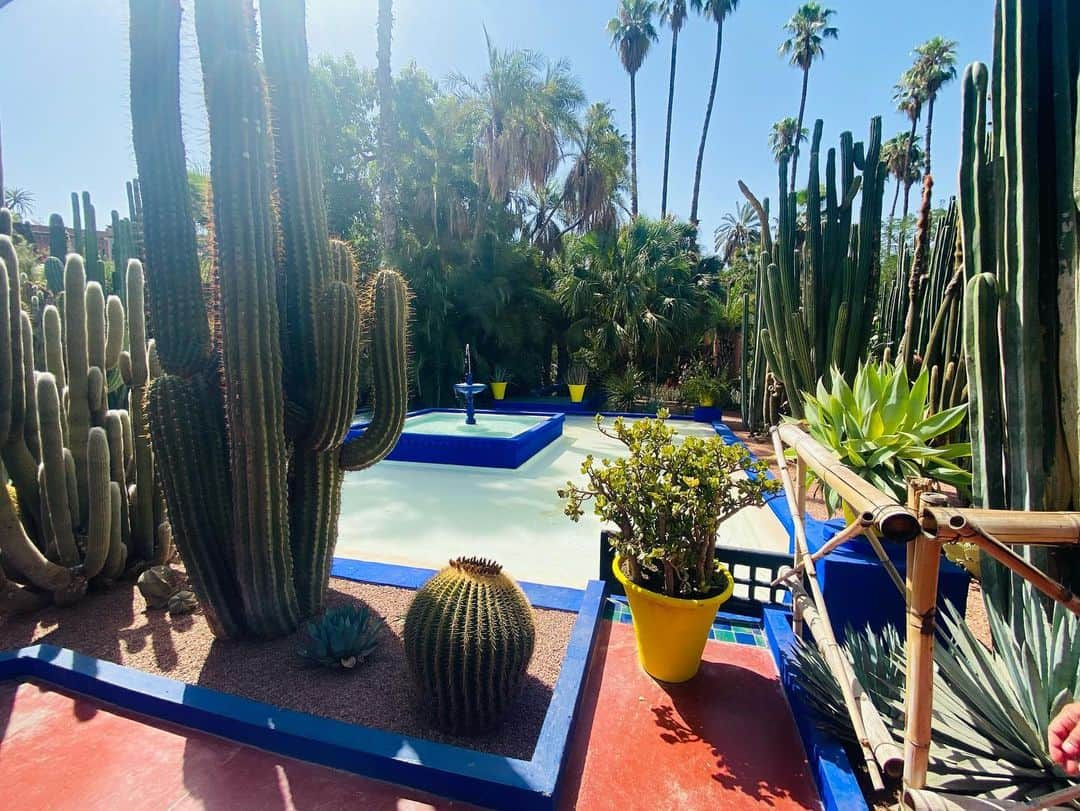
{"points": [[472, 451], [448, 771], [837, 786]]}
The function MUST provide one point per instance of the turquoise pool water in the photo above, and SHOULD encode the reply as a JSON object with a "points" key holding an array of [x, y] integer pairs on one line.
{"points": [[487, 425]]}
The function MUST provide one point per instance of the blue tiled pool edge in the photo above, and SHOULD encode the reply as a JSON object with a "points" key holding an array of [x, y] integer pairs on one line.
{"points": [[474, 451], [441, 769]]}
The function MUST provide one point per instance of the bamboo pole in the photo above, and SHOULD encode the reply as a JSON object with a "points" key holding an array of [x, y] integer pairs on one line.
{"points": [[1008, 526], [874, 737], [856, 527], [1043, 582], [886, 563], [922, 583], [894, 522], [800, 508]]}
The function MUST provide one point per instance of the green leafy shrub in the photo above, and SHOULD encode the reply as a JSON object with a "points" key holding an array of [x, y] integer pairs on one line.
{"points": [[343, 637], [881, 428], [668, 499], [699, 384], [624, 388], [992, 708], [501, 375]]}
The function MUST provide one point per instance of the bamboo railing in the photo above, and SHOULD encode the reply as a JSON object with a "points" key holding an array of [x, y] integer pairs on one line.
{"points": [[925, 523]]}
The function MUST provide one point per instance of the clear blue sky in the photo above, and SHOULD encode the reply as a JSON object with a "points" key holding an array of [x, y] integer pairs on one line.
{"points": [[66, 123]]}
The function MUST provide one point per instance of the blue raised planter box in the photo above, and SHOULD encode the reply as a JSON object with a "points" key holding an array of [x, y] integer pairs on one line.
{"points": [[479, 778], [473, 451], [707, 413], [857, 588]]}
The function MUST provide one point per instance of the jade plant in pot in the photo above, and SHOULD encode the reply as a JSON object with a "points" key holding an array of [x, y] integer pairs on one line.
{"points": [[667, 499]]}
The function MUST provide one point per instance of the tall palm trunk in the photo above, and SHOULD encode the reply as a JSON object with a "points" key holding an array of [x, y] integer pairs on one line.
{"points": [[907, 183], [929, 130], [633, 146], [798, 127], [387, 207], [670, 104], [895, 198], [705, 128]]}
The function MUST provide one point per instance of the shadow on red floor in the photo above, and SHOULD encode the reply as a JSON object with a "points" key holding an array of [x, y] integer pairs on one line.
{"points": [[725, 740]]}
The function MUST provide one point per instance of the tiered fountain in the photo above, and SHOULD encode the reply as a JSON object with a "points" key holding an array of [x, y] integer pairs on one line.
{"points": [[468, 389]]}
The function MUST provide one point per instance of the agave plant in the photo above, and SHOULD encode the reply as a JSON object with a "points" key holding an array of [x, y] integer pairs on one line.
{"points": [[624, 389], [343, 637], [881, 427], [992, 709]]}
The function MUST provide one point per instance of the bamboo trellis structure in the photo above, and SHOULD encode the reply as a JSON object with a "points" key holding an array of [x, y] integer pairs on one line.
{"points": [[924, 524]]}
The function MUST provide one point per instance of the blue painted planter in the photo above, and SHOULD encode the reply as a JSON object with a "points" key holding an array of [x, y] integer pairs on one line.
{"points": [[852, 572], [707, 414]]}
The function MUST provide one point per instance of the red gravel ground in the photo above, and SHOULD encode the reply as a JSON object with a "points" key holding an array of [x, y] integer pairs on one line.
{"points": [[115, 626]]}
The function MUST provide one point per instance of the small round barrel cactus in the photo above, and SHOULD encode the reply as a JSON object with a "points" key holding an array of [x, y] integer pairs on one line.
{"points": [[469, 636]]}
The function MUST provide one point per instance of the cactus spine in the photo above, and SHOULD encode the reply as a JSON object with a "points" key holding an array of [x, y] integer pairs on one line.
{"points": [[469, 636], [252, 474], [1018, 211]]}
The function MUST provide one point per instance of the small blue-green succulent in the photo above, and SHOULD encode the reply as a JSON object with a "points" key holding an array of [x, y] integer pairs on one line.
{"points": [[343, 637]]}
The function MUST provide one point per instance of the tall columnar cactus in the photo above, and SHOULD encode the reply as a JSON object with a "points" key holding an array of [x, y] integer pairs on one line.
{"points": [[937, 323], [58, 241], [469, 636], [63, 450], [1019, 192], [252, 450], [819, 292]]}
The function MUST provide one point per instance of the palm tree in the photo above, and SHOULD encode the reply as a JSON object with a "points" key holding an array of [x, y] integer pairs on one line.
{"points": [[909, 97], [385, 81], [19, 201], [632, 32], [717, 11], [673, 14], [935, 66], [737, 231], [782, 138], [809, 28], [597, 173], [894, 154]]}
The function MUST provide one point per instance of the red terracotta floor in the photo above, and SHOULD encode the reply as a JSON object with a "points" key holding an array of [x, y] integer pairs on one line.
{"points": [[726, 740]]}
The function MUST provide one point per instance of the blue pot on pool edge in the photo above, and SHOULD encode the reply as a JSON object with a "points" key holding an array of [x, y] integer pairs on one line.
{"points": [[858, 591]]}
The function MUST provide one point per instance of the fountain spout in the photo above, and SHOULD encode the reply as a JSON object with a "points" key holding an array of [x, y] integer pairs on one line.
{"points": [[468, 389]]}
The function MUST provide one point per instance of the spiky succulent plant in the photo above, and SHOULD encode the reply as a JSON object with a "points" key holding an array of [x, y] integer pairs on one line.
{"points": [[991, 708], [343, 636]]}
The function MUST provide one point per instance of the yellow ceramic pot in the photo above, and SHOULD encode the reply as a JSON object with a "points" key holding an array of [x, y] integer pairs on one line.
{"points": [[577, 392], [671, 632], [498, 390]]}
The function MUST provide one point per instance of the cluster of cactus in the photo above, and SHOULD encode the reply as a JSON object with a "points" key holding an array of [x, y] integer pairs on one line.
{"points": [[818, 284], [469, 636], [84, 503], [259, 386], [126, 242], [1019, 191], [935, 298], [344, 636]]}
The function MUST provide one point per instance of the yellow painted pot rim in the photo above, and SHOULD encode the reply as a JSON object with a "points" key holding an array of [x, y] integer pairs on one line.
{"points": [[673, 602]]}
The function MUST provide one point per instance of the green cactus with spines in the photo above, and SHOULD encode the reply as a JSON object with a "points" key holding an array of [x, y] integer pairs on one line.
{"points": [[59, 543], [1018, 222], [114, 429], [469, 636], [58, 240], [54, 274], [252, 479], [77, 224], [817, 300], [143, 527]]}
